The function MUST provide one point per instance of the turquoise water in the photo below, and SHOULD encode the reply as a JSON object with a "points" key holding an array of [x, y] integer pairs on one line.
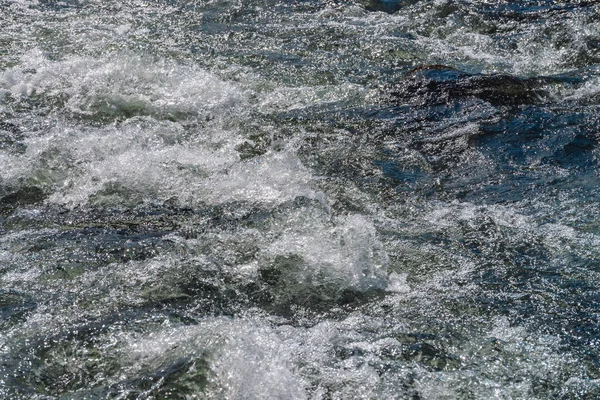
{"points": [[299, 200]]}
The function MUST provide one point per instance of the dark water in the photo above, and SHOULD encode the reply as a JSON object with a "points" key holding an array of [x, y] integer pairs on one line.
{"points": [[299, 200]]}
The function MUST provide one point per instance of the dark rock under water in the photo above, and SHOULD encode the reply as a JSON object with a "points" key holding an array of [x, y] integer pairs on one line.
{"points": [[389, 6], [438, 84]]}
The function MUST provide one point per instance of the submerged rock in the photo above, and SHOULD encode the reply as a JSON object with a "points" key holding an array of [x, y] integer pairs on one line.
{"points": [[9, 127], [14, 307], [11, 138], [23, 196], [388, 6], [438, 84]]}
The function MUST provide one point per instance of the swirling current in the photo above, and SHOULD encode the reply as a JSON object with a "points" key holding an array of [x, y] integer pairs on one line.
{"points": [[303, 199]]}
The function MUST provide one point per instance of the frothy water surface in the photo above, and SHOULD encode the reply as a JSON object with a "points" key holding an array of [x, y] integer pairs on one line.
{"points": [[299, 200]]}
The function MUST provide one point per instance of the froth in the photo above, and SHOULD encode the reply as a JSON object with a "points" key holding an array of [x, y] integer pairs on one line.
{"points": [[246, 359], [119, 85], [346, 252]]}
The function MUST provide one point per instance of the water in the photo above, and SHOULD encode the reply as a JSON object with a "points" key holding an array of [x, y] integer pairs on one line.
{"points": [[299, 200]]}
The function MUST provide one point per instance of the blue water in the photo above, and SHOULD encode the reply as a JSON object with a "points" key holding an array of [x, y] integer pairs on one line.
{"points": [[299, 200]]}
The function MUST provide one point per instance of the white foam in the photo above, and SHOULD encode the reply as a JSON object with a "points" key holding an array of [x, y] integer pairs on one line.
{"points": [[120, 80], [397, 283], [154, 160], [144, 157], [347, 251], [272, 178], [247, 359], [518, 47]]}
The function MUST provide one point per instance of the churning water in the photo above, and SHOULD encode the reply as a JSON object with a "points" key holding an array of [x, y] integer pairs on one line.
{"points": [[310, 199]]}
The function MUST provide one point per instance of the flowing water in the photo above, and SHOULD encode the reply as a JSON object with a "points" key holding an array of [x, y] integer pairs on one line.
{"points": [[309, 199]]}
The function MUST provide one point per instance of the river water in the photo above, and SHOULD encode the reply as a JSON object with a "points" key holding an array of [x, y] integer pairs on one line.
{"points": [[311, 199]]}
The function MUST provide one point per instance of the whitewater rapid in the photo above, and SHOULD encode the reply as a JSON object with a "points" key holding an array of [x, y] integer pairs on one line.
{"points": [[299, 200]]}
